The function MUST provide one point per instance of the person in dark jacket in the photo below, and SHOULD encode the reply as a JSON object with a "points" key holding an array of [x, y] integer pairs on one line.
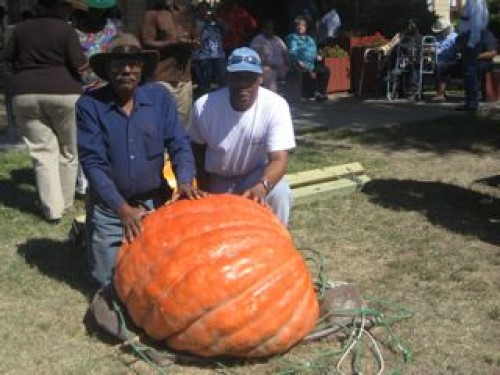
{"points": [[47, 61]]}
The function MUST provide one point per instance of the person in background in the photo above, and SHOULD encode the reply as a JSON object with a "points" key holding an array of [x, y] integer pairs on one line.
{"points": [[209, 60], [273, 53], [304, 59], [123, 129], [95, 30], [242, 135], [410, 42], [328, 25], [241, 25], [473, 22], [446, 56], [3, 13], [170, 28], [47, 62], [308, 9], [487, 52]]}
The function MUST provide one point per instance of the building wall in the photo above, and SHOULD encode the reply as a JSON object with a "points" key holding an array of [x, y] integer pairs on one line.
{"points": [[441, 8]]}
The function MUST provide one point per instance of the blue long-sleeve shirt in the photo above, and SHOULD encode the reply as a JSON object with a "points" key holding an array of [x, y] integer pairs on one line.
{"points": [[445, 50], [123, 156], [302, 48]]}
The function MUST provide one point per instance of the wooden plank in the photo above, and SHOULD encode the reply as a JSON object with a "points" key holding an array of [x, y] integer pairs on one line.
{"points": [[327, 189], [319, 175]]}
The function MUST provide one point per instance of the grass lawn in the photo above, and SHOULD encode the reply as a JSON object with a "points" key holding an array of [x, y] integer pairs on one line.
{"points": [[423, 234]]}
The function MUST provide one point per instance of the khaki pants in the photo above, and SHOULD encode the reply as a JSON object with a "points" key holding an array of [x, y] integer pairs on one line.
{"points": [[183, 94], [47, 125]]}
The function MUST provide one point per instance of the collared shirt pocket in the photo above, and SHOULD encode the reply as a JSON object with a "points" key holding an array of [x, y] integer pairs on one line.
{"points": [[153, 143]]}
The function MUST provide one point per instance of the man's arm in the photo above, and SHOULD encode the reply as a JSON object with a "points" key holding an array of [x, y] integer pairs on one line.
{"points": [[273, 173], [179, 148], [202, 176], [148, 32]]}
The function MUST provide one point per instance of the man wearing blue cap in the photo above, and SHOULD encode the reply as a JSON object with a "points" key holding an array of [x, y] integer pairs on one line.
{"points": [[242, 135]]}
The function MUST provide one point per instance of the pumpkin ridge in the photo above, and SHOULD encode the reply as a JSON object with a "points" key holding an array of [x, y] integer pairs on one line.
{"points": [[142, 276], [237, 287], [161, 297], [267, 347], [301, 286], [278, 272], [233, 202], [298, 311], [232, 339], [139, 292], [249, 251]]}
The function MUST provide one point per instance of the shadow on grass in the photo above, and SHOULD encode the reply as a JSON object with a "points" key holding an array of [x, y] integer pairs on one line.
{"points": [[455, 208], [60, 260], [19, 191], [398, 126], [441, 136]]}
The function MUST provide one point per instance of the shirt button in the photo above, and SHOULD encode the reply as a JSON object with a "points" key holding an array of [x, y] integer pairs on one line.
{"points": [[132, 157]]}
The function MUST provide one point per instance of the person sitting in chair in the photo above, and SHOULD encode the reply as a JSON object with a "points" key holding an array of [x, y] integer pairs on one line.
{"points": [[304, 58], [446, 56], [409, 42]]}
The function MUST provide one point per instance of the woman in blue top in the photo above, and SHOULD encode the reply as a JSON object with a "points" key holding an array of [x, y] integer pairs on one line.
{"points": [[305, 59]]}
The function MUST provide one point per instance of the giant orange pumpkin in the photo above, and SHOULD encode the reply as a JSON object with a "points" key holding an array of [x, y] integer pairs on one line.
{"points": [[217, 276]]}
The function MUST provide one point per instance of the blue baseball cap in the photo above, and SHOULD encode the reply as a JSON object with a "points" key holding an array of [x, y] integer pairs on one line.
{"points": [[244, 59]]}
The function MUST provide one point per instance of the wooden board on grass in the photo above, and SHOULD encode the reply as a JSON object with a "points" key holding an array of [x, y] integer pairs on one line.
{"points": [[324, 182], [314, 176], [327, 189]]}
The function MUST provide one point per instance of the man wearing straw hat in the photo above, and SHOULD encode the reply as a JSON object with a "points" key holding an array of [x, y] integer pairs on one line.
{"points": [[445, 55], [123, 130]]}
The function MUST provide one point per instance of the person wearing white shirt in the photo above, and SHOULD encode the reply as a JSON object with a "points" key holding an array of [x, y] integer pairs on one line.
{"points": [[242, 135]]}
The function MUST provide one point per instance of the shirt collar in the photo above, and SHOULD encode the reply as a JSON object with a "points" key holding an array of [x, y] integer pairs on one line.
{"points": [[142, 97]]}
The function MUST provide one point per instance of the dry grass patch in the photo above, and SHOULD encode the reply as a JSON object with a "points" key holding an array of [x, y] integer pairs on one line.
{"points": [[423, 234]]}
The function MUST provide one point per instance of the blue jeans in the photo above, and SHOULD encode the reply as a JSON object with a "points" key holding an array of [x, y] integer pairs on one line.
{"points": [[104, 235], [280, 198], [470, 71]]}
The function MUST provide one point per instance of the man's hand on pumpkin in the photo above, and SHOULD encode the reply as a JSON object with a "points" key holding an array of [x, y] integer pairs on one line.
{"points": [[188, 191], [131, 218], [256, 193]]}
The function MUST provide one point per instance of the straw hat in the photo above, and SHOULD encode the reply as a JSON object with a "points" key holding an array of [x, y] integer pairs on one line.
{"points": [[440, 25], [124, 46]]}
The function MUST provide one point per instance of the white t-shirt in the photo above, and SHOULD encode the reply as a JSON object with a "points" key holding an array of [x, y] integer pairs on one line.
{"points": [[238, 142]]}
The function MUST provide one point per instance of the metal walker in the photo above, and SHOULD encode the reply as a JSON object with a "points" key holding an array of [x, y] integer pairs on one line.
{"points": [[411, 59]]}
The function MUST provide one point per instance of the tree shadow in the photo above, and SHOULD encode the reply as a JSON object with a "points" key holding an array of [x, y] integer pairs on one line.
{"points": [[492, 181], [60, 260], [455, 208], [19, 190]]}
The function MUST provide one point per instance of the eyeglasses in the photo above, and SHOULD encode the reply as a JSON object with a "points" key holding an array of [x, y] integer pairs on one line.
{"points": [[238, 59], [122, 63]]}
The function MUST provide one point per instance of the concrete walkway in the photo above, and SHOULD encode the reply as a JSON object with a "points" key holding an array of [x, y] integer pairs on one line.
{"points": [[344, 111], [341, 111]]}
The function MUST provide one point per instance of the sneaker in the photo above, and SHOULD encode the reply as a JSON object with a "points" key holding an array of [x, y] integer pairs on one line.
{"points": [[320, 97]]}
